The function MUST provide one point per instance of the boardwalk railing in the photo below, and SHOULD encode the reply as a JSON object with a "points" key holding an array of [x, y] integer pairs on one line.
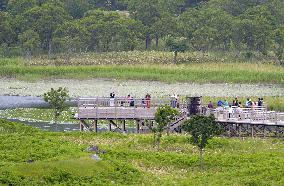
{"points": [[256, 114], [122, 102], [120, 108]]}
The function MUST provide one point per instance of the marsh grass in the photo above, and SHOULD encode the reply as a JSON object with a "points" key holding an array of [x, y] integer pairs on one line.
{"points": [[131, 159], [149, 57], [153, 66], [200, 73]]}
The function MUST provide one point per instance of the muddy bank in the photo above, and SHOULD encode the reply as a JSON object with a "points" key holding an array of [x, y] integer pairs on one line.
{"points": [[102, 87]]}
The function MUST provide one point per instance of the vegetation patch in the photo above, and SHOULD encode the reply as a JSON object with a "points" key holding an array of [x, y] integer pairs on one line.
{"points": [[32, 157]]}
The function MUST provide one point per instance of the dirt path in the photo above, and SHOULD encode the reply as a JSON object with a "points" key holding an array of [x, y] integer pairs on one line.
{"points": [[101, 87]]}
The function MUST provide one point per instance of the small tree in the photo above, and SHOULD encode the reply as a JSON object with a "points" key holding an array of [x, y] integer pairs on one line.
{"points": [[163, 117], [201, 128], [176, 45], [57, 99]]}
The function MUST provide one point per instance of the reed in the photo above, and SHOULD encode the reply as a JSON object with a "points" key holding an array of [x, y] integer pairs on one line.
{"points": [[200, 73]]}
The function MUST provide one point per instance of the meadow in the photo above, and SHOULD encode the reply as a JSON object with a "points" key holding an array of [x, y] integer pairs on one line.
{"points": [[29, 156], [150, 66]]}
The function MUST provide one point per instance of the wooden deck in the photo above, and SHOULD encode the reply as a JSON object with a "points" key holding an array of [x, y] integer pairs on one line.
{"points": [[116, 113], [119, 108], [248, 121], [248, 116]]}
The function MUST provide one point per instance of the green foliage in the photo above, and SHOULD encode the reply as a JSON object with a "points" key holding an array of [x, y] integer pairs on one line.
{"points": [[131, 160], [279, 40], [176, 44], [201, 128], [71, 37], [77, 8], [45, 19], [30, 41], [111, 31], [123, 25], [57, 99], [163, 117], [6, 30]]}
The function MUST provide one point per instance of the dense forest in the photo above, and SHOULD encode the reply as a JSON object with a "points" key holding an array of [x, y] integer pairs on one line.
{"points": [[32, 27]]}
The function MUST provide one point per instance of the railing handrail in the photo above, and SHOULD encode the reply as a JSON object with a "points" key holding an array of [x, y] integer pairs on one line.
{"points": [[122, 101]]}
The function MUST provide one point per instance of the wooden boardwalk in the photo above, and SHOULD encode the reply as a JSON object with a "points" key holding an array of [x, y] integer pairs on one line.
{"points": [[236, 121], [119, 108], [250, 121], [114, 113]]}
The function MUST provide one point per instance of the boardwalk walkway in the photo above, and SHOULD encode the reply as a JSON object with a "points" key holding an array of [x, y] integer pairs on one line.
{"points": [[236, 120]]}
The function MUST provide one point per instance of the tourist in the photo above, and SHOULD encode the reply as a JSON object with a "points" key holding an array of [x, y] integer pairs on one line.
{"points": [[226, 104], [260, 102], [177, 101], [111, 99], [173, 101], [148, 98], [220, 103], [236, 102], [131, 102], [128, 98], [230, 111], [248, 103], [210, 105], [253, 104]]}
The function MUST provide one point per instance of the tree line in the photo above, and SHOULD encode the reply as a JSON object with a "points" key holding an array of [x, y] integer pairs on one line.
{"points": [[54, 26]]}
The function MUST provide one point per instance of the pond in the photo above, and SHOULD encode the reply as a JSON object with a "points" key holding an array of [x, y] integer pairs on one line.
{"points": [[102, 87]]}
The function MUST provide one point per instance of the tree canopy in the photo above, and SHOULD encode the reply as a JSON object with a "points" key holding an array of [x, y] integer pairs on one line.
{"points": [[123, 25]]}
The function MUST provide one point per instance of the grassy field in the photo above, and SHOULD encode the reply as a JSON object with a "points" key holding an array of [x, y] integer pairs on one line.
{"points": [[152, 66], [32, 157]]}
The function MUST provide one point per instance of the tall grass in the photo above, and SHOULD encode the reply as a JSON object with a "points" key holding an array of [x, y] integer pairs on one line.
{"points": [[192, 67], [61, 158], [201, 73], [149, 57]]}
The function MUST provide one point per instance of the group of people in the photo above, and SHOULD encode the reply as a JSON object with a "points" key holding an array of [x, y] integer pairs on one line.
{"points": [[130, 100], [236, 103]]}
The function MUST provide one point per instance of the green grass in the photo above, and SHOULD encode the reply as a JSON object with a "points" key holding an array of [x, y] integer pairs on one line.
{"points": [[201, 73], [152, 66], [131, 159]]}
